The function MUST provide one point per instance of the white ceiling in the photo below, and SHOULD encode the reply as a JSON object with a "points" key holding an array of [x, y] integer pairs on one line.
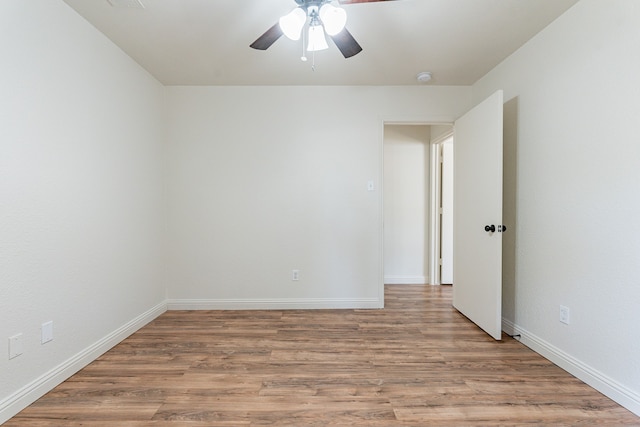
{"points": [[206, 42]]}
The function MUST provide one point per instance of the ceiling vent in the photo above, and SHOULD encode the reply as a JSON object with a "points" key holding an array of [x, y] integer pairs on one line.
{"points": [[127, 4]]}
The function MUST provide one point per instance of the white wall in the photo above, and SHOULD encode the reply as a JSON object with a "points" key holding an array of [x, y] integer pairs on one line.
{"points": [[80, 195], [575, 88], [264, 180], [406, 204]]}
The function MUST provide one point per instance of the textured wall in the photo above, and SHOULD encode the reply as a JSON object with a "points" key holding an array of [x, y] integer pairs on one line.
{"points": [[572, 100], [80, 187], [406, 203], [264, 180]]}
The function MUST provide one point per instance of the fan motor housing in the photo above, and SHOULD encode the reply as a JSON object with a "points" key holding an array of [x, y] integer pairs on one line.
{"points": [[306, 3]]}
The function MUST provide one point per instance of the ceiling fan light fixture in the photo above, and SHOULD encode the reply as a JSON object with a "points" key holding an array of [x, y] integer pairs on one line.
{"points": [[333, 18], [315, 19], [317, 40], [292, 23]]}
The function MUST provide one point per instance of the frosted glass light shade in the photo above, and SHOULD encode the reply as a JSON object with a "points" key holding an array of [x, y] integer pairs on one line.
{"points": [[317, 40], [291, 24], [333, 18]]}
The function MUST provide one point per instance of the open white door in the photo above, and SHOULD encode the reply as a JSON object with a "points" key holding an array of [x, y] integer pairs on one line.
{"points": [[477, 251]]}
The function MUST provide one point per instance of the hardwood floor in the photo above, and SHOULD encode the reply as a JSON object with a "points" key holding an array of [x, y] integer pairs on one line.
{"points": [[415, 363]]}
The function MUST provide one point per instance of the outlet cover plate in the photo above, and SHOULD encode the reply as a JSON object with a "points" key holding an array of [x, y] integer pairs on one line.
{"points": [[15, 346], [47, 332]]}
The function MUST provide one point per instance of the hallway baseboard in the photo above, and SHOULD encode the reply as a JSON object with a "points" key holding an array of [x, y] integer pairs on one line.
{"points": [[406, 280]]}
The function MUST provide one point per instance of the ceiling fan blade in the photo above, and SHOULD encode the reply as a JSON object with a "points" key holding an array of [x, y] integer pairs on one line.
{"points": [[346, 43], [360, 1], [268, 38]]}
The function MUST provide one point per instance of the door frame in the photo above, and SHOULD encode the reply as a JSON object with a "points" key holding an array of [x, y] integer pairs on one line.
{"points": [[435, 202]]}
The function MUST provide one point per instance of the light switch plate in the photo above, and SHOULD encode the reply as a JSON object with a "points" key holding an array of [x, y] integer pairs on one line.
{"points": [[564, 314]]}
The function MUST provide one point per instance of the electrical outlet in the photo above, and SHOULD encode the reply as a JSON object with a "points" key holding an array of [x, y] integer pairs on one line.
{"points": [[47, 332], [564, 314], [295, 275], [15, 346]]}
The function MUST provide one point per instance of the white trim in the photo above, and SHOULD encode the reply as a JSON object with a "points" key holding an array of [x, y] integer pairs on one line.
{"points": [[435, 169], [596, 379], [274, 304], [435, 204], [419, 120], [381, 214], [445, 136], [406, 280], [509, 327], [37, 388]]}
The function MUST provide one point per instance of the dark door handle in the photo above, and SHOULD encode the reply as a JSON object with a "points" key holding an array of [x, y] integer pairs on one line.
{"points": [[502, 228], [490, 228]]}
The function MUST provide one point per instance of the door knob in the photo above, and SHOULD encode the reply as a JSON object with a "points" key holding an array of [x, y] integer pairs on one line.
{"points": [[490, 228]]}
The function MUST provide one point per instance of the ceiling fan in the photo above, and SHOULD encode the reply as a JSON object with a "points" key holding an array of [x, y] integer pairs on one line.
{"points": [[321, 17]]}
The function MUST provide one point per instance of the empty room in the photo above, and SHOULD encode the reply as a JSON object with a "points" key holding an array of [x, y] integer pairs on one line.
{"points": [[198, 201]]}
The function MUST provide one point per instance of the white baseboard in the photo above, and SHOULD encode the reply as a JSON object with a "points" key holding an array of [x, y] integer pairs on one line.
{"points": [[596, 379], [406, 280], [273, 304], [31, 392]]}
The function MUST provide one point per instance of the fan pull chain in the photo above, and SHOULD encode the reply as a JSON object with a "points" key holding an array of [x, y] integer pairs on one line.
{"points": [[304, 58], [304, 53]]}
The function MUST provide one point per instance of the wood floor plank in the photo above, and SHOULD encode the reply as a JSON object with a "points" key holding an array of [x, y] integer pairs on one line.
{"points": [[417, 362]]}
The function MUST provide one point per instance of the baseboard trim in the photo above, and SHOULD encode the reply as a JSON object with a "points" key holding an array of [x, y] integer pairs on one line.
{"points": [[406, 280], [274, 304], [31, 392], [596, 379]]}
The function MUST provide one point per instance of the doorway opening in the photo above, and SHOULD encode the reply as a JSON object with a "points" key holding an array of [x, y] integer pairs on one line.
{"points": [[412, 188]]}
